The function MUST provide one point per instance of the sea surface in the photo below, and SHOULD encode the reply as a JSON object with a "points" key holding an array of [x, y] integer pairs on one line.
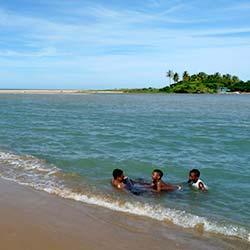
{"points": [[68, 145]]}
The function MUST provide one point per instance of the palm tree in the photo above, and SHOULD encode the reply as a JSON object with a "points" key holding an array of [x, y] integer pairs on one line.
{"points": [[202, 76], [185, 76], [176, 77], [235, 79], [170, 74], [227, 77], [217, 76]]}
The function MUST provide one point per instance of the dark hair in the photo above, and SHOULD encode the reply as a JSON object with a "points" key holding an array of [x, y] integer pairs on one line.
{"points": [[195, 171], [117, 173], [159, 172]]}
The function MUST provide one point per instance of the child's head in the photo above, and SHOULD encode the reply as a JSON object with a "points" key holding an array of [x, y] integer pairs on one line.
{"points": [[194, 174], [118, 174], [157, 174]]}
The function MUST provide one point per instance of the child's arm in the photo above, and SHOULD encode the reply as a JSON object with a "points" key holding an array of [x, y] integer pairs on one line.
{"points": [[160, 186], [172, 187], [118, 185], [142, 181], [202, 187]]}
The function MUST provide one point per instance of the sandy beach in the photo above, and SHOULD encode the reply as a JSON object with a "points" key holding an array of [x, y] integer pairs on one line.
{"points": [[34, 220], [57, 91]]}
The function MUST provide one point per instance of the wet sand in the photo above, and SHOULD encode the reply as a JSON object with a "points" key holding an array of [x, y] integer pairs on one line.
{"points": [[34, 220]]}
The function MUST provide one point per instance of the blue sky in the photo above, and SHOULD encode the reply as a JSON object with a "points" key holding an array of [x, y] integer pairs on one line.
{"points": [[77, 44]]}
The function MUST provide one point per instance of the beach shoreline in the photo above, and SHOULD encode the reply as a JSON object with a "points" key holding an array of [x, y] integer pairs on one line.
{"points": [[77, 91], [58, 91], [32, 219]]}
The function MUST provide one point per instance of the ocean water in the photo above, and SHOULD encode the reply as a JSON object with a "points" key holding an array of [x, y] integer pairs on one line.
{"points": [[68, 145]]}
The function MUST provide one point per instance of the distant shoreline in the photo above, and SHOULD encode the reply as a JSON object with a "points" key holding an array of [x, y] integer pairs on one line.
{"points": [[59, 91], [75, 91]]}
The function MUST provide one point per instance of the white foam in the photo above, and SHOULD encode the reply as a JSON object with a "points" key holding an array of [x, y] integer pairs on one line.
{"points": [[180, 218], [30, 171]]}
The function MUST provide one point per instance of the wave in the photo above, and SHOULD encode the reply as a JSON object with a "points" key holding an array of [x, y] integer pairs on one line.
{"points": [[31, 171]]}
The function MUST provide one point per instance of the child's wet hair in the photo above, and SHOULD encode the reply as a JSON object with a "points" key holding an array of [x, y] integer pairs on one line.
{"points": [[117, 173], [159, 172], [195, 171]]}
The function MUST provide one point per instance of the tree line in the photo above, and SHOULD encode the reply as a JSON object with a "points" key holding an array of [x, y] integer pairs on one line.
{"points": [[204, 83]]}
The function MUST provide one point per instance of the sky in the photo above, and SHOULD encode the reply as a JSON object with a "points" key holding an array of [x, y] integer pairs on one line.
{"points": [[109, 44]]}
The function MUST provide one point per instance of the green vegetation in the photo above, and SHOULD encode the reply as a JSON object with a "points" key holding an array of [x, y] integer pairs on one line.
{"points": [[204, 83], [143, 90], [170, 75], [198, 84]]}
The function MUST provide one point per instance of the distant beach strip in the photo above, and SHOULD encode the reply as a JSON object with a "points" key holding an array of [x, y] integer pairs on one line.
{"points": [[57, 91]]}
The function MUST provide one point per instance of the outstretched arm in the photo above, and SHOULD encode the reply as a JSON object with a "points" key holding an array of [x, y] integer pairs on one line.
{"points": [[172, 187], [202, 187], [141, 181]]}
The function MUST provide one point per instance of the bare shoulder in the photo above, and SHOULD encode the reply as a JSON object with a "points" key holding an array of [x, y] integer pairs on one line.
{"points": [[117, 184], [202, 186]]}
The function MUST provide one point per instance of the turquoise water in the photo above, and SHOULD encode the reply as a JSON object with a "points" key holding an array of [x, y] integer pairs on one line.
{"points": [[69, 144]]}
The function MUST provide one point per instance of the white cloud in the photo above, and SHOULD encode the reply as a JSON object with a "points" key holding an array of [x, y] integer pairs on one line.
{"points": [[45, 52], [116, 47]]}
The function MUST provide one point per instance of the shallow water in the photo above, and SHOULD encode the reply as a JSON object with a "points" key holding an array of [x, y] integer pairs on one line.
{"points": [[69, 145]]}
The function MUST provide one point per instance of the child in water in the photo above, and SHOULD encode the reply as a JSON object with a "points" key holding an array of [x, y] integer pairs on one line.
{"points": [[194, 180], [120, 181], [158, 184]]}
